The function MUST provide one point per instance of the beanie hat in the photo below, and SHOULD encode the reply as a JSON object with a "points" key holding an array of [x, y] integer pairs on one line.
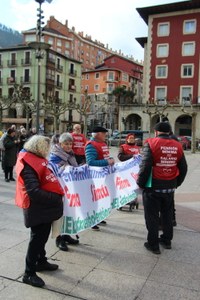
{"points": [[163, 127], [99, 129], [130, 134]]}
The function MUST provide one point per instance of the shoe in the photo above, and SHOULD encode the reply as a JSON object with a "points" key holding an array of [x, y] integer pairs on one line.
{"points": [[70, 240], [12, 179], [60, 243], [95, 228], [7, 180], [33, 280], [103, 223], [165, 244], [46, 267], [153, 250]]}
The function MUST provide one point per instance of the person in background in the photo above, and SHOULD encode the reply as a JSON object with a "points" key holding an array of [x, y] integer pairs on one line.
{"points": [[97, 154], [10, 144], [22, 138], [129, 149], [40, 195], [32, 132], [61, 154], [79, 141], [163, 157]]}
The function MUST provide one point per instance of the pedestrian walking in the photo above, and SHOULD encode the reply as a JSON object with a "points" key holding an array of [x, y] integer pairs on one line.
{"points": [[40, 195], [79, 141], [163, 157], [97, 154], [61, 154]]}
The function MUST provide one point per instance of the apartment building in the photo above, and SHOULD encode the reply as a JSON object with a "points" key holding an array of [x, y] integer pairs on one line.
{"points": [[100, 84], [57, 83], [171, 66]]}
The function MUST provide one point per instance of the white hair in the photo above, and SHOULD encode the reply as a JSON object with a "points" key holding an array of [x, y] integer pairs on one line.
{"points": [[94, 134], [65, 137], [38, 144]]}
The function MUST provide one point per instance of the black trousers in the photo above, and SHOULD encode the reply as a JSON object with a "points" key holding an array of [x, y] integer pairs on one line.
{"points": [[8, 172], [154, 204], [36, 249], [80, 159]]}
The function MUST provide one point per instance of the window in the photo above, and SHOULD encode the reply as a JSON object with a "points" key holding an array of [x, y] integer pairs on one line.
{"points": [[86, 87], [124, 77], [162, 50], [97, 75], [160, 93], [0, 60], [110, 88], [111, 76], [187, 70], [161, 71], [96, 87], [67, 45], [59, 43], [50, 40], [163, 29], [188, 48], [186, 94], [26, 75], [87, 76], [189, 26]]}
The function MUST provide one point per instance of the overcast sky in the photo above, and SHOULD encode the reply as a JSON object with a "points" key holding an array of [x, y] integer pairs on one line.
{"points": [[111, 22]]}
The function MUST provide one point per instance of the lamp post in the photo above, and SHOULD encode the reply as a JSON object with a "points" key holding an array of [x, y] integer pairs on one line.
{"points": [[39, 47]]}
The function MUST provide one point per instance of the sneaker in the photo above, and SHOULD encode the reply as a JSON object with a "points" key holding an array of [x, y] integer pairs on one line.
{"points": [[33, 280], [95, 228], [70, 240], [46, 267], [165, 244], [61, 244], [150, 248], [103, 223]]}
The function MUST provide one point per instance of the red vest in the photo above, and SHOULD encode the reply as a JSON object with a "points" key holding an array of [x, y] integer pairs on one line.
{"points": [[79, 142], [130, 149], [101, 148], [48, 181], [166, 155]]}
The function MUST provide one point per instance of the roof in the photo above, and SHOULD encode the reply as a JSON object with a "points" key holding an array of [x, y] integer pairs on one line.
{"points": [[145, 12], [142, 41]]}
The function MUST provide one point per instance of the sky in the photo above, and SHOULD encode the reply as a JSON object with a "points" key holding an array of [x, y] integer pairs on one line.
{"points": [[112, 22]]}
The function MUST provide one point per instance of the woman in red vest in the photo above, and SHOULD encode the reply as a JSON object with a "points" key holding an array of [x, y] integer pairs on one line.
{"points": [[39, 193], [128, 150]]}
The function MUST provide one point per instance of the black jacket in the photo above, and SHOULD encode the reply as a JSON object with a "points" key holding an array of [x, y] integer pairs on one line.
{"points": [[45, 207], [146, 167]]}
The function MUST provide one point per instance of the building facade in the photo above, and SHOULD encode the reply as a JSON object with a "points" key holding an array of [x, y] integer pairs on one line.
{"points": [[171, 83], [58, 84]]}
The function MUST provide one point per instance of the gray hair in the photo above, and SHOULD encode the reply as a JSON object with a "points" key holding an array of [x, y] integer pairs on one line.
{"points": [[65, 137], [94, 134], [39, 145]]}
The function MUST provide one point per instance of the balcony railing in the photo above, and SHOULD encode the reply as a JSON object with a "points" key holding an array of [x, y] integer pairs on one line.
{"points": [[59, 84], [11, 80], [26, 79], [26, 62], [72, 88], [12, 63], [59, 68], [73, 73]]}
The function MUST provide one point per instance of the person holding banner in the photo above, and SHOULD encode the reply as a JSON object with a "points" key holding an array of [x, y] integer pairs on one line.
{"points": [[61, 154], [40, 195], [164, 167], [97, 154], [79, 141]]}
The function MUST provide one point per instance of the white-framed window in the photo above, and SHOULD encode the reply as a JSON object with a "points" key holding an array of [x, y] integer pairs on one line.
{"points": [[186, 94], [110, 87], [163, 29], [50, 40], [162, 50], [160, 93], [124, 77], [188, 48], [87, 76], [86, 87], [187, 70], [67, 45], [59, 43], [111, 76], [189, 26], [96, 87], [97, 75], [161, 71]]}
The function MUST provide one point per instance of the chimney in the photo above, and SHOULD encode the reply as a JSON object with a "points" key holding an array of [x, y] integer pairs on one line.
{"points": [[66, 23]]}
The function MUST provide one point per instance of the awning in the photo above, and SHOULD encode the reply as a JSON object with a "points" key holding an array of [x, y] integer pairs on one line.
{"points": [[15, 120]]}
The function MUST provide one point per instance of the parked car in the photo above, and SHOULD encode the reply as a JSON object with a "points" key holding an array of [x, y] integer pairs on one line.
{"points": [[120, 138], [185, 141]]}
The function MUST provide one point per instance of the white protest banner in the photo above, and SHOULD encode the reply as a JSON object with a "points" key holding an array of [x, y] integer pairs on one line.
{"points": [[92, 192]]}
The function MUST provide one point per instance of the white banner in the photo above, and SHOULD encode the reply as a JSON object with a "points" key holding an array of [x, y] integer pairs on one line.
{"points": [[92, 192]]}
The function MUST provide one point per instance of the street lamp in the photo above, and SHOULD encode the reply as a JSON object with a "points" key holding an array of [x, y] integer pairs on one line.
{"points": [[39, 47]]}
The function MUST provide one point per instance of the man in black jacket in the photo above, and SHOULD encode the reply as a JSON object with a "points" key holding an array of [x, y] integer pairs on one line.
{"points": [[163, 161]]}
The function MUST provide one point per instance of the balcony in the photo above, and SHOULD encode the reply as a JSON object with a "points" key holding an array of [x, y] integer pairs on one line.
{"points": [[26, 79], [1, 81], [59, 68], [72, 88], [11, 80], [114, 79], [59, 84], [12, 63], [26, 62], [1, 64], [73, 73]]}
